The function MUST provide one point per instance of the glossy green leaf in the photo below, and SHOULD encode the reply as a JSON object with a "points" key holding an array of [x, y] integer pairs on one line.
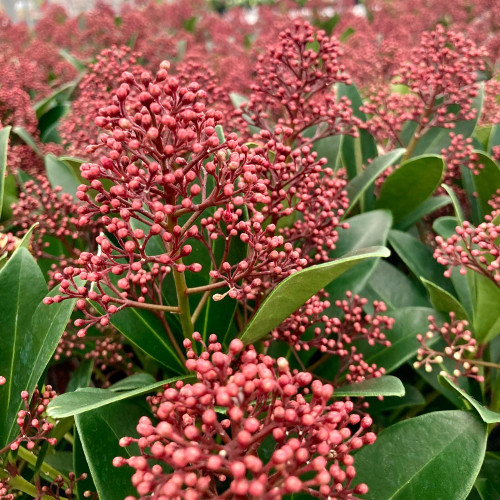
{"points": [[365, 230], [488, 416], [90, 398], [357, 186], [22, 288], [394, 287], [486, 306], [434, 456], [427, 207], [382, 386], [487, 181], [409, 321], [412, 397], [60, 174], [410, 185], [488, 482], [295, 290], [99, 431], [80, 466], [146, 331], [4, 144], [445, 226], [418, 257], [81, 376], [456, 203], [444, 301], [133, 382]]}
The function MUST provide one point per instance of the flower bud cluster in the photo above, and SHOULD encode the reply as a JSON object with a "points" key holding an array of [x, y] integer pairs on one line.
{"points": [[33, 426], [337, 336], [78, 129], [105, 350], [461, 346], [212, 435], [167, 182], [54, 212], [441, 76], [294, 88], [474, 248]]}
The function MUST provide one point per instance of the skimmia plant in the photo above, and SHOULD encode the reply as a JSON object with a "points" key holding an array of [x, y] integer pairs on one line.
{"points": [[251, 252]]}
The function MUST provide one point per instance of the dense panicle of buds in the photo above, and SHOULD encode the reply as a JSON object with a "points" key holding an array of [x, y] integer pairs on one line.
{"points": [[105, 350], [33, 427], [55, 214], [460, 348], [337, 336], [295, 85], [175, 184], [474, 248], [210, 437], [441, 76], [443, 72], [78, 128], [459, 153]]}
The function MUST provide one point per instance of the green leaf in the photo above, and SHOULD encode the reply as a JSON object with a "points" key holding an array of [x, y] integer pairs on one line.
{"points": [[456, 203], [410, 185], [488, 416], [389, 284], [445, 226], [76, 63], [99, 432], [81, 376], [412, 397], [418, 257], [427, 207], [434, 456], [444, 301], [4, 144], [59, 96], [133, 382], [488, 180], [90, 398], [357, 186], [26, 137], [382, 386], [295, 290], [238, 99], [145, 330], [409, 321], [60, 174], [365, 230], [22, 288], [486, 304], [80, 466], [488, 482]]}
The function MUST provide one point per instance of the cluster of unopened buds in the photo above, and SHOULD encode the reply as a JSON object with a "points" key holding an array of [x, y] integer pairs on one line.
{"points": [[295, 83], [213, 432], [335, 335], [177, 184], [460, 346], [459, 153], [105, 350], [441, 76], [33, 427], [4, 490], [55, 214], [474, 248]]}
